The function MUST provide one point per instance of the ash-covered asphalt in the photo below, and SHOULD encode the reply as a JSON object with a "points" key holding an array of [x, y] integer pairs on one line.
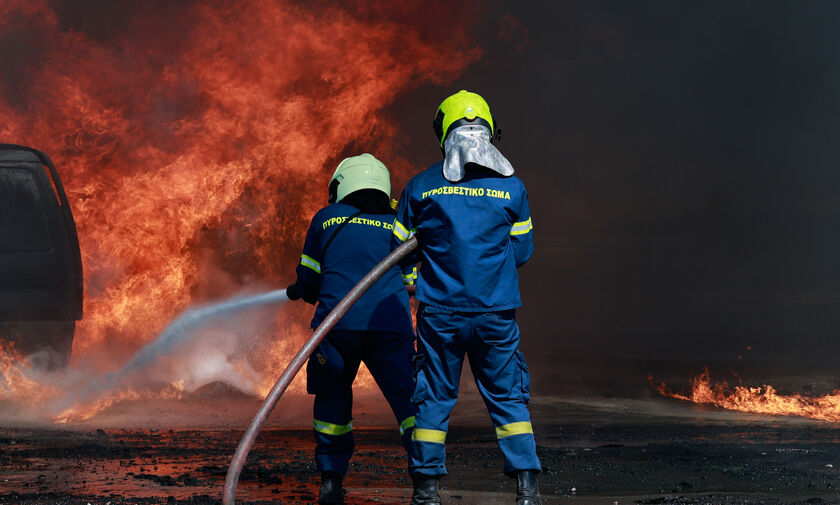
{"points": [[593, 451]]}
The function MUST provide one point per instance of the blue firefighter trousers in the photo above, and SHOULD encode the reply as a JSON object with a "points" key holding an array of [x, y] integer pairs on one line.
{"points": [[387, 356], [491, 342]]}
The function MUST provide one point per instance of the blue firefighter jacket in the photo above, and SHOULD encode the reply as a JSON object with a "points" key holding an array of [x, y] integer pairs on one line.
{"points": [[326, 276], [473, 235]]}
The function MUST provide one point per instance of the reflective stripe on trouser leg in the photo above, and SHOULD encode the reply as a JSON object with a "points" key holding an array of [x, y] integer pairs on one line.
{"points": [[518, 428], [406, 425], [429, 445], [388, 358], [334, 446], [331, 429], [406, 432], [516, 440], [333, 407], [503, 382], [438, 369], [431, 436]]}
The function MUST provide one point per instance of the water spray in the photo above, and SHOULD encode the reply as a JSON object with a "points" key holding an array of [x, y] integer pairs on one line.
{"points": [[176, 332], [195, 318], [238, 461]]}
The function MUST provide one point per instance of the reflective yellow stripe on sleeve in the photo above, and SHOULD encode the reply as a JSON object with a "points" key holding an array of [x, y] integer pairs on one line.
{"points": [[424, 435], [519, 428], [407, 423], [400, 231], [332, 429], [408, 279], [310, 262], [522, 227]]}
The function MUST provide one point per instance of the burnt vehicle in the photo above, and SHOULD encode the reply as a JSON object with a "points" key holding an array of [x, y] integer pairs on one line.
{"points": [[41, 283]]}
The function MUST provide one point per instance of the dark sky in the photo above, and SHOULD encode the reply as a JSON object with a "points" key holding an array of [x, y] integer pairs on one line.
{"points": [[682, 168]]}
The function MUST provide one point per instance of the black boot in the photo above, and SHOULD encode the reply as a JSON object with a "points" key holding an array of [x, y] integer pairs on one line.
{"points": [[425, 490], [527, 488], [331, 490]]}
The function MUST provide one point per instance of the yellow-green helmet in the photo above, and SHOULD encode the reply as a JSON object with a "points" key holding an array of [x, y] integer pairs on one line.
{"points": [[462, 108], [359, 172]]}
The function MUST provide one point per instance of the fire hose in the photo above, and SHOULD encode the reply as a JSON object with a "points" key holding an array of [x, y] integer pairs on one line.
{"points": [[250, 436]]}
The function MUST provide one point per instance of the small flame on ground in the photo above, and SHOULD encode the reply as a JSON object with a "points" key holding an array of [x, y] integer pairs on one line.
{"points": [[85, 411], [758, 400]]}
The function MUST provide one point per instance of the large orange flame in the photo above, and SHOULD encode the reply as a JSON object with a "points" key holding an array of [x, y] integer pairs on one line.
{"points": [[195, 140], [760, 400], [15, 381]]}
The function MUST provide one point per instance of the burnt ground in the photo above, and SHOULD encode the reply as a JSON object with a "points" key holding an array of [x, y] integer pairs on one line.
{"points": [[594, 451]]}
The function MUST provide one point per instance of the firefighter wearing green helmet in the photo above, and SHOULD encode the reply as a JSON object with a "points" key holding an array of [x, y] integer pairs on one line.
{"points": [[345, 240], [471, 216]]}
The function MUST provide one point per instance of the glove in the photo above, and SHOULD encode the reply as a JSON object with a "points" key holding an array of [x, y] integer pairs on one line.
{"points": [[292, 292]]}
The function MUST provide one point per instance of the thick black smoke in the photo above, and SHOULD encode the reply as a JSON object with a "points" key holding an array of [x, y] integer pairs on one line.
{"points": [[682, 170]]}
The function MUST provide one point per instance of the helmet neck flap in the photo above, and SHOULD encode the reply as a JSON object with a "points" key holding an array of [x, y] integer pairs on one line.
{"points": [[471, 144]]}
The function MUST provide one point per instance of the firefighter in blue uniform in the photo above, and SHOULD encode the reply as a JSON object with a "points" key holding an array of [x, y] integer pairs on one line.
{"points": [[345, 240], [470, 214]]}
